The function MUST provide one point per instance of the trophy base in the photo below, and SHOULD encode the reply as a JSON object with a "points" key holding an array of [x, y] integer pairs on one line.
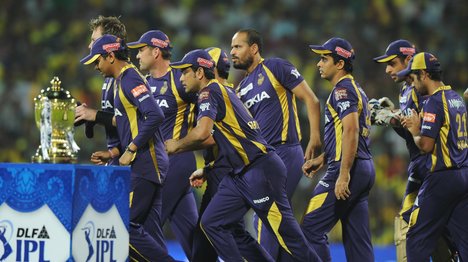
{"points": [[64, 158]]}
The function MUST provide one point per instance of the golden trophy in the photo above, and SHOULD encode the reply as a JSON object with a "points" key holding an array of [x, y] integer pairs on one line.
{"points": [[54, 111]]}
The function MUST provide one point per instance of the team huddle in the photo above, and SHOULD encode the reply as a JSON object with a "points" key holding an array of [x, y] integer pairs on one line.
{"points": [[251, 136]]}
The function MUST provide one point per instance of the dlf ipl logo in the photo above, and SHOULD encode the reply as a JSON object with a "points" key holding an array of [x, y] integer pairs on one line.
{"points": [[30, 242], [100, 242]]}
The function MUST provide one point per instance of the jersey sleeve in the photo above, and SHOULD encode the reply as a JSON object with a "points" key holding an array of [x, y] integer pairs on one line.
{"points": [[208, 103], [137, 91], [344, 101], [285, 72], [432, 117]]}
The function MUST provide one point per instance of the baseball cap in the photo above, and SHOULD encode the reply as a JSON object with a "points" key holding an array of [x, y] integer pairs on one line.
{"points": [[421, 60], [396, 48], [335, 45], [103, 45], [154, 38], [220, 58], [197, 57]]}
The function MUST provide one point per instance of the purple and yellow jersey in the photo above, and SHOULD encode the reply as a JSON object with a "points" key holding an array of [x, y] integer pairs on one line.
{"points": [[138, 119], [107, 105], [177, 105], [410, 99], [346, 97], [235, 131], [444, 119], [267, 93]]}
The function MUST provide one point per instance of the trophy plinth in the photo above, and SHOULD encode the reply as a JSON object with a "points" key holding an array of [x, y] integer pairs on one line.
{"points": [[54, 111]]}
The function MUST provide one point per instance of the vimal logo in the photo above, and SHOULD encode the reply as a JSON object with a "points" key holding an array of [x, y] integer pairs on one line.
{"points": [[100, 242]]}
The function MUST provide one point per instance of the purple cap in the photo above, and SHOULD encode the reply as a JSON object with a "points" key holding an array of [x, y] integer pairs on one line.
{"points": [[221, 59], [335, 45], [103, 45], [420, 61], [154, 38], [397, 48], [197, 57]]}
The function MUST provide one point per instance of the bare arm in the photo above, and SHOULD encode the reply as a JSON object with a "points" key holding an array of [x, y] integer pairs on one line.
{"points": [[306, 95], [199, 137], [413, 124]]}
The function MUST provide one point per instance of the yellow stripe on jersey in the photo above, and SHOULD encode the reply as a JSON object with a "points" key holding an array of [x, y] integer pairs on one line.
{"points": [[181, 106], [358, 93], [296, 117], [152, 151], [274, 217], [283, 99], [408, 202], [231, 119], [444, 131], [130, 199], [316, 202], [259, 230], [434, 158], [131, 112], [234, 141], [136, 251], [413, 217], [338, 130], [414, 96]]}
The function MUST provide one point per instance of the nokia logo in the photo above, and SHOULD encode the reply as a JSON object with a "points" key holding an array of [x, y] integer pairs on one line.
{"points": [[162, 103], [257, 98]]}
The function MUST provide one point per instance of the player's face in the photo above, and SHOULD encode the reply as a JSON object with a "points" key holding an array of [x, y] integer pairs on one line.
{"points": [[393, 67], [146, 57], [327, 67], [189, 80], [95, 35], [102, 65], [418, 83], [241, 52]]}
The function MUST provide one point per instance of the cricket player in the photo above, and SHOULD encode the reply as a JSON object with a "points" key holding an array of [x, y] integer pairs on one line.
{"points": [[258, 175]]}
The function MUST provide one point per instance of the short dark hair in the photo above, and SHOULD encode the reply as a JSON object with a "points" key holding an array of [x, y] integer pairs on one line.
{"points": [[166, 54], [123, 55], [110, 25], [435, 75], [209, 73], [348, 66], [253, 37], [223, 74]]}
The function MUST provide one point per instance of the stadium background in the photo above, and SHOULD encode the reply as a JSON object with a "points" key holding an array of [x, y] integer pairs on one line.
{"points": [[45, 38]]}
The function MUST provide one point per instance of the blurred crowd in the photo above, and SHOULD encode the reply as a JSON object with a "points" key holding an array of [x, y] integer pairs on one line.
{"points": [[46, 38]]}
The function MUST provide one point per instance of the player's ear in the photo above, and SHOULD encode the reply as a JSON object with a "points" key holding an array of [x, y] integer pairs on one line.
{"points": [[254, 49], [111, 56]]}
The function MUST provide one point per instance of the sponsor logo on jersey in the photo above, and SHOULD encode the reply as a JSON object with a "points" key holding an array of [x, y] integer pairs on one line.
{"points": [[295, 73], [456, 103], [139, 90], [106, 104], [204, 106], [261, 200], [324, 184], [153, 89], [141, 99], [203, 95], [341, 93], [163, 88], [246, 89], [344, 105], [257, 98], [426, 127], [162, 103], [403, 100], [260, 79], [117, 112], [429, 117]]}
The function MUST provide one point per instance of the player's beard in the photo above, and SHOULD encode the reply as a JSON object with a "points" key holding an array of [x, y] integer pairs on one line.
{"points": [[245, 65]]}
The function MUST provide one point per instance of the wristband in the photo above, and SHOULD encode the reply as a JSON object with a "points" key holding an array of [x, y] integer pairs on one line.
{"points": [[129, 150], [104, 118]]}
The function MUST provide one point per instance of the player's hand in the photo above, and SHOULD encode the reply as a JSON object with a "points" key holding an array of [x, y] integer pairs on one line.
{"points": [[313, 146], [412, 122], [83, 112], [126, 158], [385, 102], [100, 157], [197, 178], [171, 146], [312, 166], [342, 191]]}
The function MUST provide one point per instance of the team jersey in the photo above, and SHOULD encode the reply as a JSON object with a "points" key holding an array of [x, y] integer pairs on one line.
{"points": [[177, 105], [107, 105], [346, 97], [267, 93], [444, 119], [410, 99], [138, 119], [235, 131]]}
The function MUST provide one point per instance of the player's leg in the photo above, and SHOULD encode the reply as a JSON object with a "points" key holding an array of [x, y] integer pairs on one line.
{"points": [[355, 222], [263, 186], [439, 194], [293, 158], [225, 210], [178, 202], [146, 196]]}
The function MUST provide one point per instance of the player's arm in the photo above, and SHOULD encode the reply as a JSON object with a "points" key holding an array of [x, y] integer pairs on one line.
{"points": [[198, 138], [307, 96], [465, 95], [349, 143]]}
